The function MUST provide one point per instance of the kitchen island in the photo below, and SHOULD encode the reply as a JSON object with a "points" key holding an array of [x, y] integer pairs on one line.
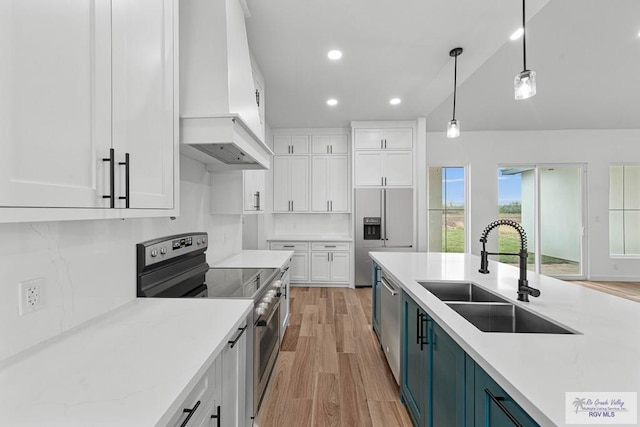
{"points": [[536, 370], [134, 366]]}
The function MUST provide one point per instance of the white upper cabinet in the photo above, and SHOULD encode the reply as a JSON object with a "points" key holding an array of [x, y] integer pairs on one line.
{"points": [[94, 82], [329, 144], [291, 183], [383, 169], [258, 81], [55, 107], [330, 183], [291, 144], [143, 101], [384, 139]]}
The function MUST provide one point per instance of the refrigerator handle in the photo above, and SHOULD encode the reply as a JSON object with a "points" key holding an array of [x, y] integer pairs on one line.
{"points": [[382, 211], [385, 217]]}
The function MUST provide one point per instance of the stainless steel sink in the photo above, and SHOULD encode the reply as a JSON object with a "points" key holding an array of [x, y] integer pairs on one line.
{"points": [[506, 317], [460, 291]]}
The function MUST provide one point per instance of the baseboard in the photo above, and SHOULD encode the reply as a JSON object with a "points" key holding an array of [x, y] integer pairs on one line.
{"points": [[613, 279]]}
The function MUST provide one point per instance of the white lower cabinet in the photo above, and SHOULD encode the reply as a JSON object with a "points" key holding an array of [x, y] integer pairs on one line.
{"points": [[330, 267], [317, 262], [219, 397]]}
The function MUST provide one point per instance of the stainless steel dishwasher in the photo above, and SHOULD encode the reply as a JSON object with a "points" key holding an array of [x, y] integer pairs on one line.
{"points": [[390, 323]]}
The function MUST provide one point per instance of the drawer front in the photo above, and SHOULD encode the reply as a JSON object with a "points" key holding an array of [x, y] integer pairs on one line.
{"points": [[330, 246], [289, 246], [201, 395]]}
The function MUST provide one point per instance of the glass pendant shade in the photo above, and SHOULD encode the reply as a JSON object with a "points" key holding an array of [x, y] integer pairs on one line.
{"points": [[453, 129], [524, 84]]}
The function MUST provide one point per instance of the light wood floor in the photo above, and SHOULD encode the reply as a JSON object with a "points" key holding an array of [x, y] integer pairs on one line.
{"points": [[331, 370], [628, 290]]}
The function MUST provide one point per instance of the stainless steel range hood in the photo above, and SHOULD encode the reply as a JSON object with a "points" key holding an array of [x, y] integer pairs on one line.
{"points": [[219, 123]]}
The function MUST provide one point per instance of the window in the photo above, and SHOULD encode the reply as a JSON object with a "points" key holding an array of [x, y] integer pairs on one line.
{"points": [[624, 210], [547, 200], [446, 209]]}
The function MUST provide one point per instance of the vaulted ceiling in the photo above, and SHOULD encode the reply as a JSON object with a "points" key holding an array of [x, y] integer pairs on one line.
{"points": [[586, 54]]}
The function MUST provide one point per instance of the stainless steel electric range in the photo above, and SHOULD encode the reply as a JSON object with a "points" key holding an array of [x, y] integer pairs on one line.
{"points": [[176, 267]]}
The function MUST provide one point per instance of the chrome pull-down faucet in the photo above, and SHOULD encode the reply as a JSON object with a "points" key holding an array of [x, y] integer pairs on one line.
{"points": [[524, 290]]}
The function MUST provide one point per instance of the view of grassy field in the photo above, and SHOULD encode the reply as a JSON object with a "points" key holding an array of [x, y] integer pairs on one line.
{"points": [[509, 241]]}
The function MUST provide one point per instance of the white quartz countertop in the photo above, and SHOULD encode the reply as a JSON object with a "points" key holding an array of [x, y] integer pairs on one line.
{"points": [[535, 369], [131, 367], [255, 259], [310, 238]]}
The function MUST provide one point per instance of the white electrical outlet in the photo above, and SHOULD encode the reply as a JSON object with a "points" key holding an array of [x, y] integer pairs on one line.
{"points": [[30, 296]]}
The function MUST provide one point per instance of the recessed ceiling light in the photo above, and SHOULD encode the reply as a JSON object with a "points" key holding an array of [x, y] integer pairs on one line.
{"points": [[395, 101], [332, 102], [334, 55], [519, 32]]}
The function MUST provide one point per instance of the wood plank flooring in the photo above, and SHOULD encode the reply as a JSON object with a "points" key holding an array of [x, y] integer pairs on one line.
{"points": [[628, 290], [331, 370]]}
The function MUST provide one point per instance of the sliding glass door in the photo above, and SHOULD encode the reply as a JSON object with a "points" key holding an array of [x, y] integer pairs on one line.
{"points": [[548, 202]]}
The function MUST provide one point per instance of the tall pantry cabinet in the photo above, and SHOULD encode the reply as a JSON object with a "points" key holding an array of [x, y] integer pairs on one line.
{"points": [[87, 111]]}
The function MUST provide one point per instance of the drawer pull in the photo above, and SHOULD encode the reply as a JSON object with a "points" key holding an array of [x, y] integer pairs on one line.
{"points": [[288, 246], [217, 416], [190, 412], [233, 343], [330, 246], [498, 401]]}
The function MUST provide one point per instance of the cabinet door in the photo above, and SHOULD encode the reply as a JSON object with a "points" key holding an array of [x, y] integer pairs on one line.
{"points": [[413, 369], [299, 144], [299, 183], [398, 168], [55, 107], [340, 266], [281, 144], [447, 370], [339, 144], [143, 100], [300, 267], [338, 182], [321, 180], [399, 139], [281, 173], [320, 144], [320, 266], [368, 168], [233, 381], [488, 413], [253, 190], [368, 139]]}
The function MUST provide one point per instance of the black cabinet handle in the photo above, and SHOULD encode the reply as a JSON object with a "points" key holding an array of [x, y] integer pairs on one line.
{"points": [[235, 340], [498, 401], [258, 97], [288, 246], [217, 416], [421, 320], [190, 412], [126, 165], [330, 246], [256, 197], [112, 184], [418, 326]]}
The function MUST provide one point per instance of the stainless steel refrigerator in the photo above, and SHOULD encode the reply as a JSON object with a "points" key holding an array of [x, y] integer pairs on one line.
{"points": [[384, 222]]}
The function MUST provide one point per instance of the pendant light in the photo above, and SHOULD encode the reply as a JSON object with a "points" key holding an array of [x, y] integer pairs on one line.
{"points": [[524, 84], [453, 127]]}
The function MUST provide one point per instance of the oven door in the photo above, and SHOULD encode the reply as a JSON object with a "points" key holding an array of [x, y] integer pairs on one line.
{"points": [[266, 338]]}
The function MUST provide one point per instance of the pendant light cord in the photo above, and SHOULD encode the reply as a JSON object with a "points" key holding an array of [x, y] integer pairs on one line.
{"points": [[455, 77], [524, 37]]}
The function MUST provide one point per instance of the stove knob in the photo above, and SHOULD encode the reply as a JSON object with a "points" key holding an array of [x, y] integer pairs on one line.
{"points": [[277, 284], [199, 241], [204, 240], [154, 253], [267, 299], [261, 309], [163, 250]]}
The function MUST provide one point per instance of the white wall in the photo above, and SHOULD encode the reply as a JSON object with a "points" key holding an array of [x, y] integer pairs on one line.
{"points": [[89, 266], [482, 152]]}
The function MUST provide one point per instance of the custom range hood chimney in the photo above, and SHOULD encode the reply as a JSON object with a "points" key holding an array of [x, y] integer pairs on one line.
{"points": [[219, 119]]}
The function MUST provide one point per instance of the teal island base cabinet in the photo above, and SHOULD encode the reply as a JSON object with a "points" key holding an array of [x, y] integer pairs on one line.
{"points": [[442, 386]]}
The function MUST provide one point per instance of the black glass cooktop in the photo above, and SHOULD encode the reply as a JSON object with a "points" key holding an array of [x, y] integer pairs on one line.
{"points": [[237, 282]]}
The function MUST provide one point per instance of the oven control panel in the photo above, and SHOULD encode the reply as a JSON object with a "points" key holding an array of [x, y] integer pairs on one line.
{"points": [[158, 250]]}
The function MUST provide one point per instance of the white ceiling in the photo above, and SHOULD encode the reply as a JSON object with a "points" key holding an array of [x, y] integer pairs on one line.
{"points": [[586, 54], [391, 49]]}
